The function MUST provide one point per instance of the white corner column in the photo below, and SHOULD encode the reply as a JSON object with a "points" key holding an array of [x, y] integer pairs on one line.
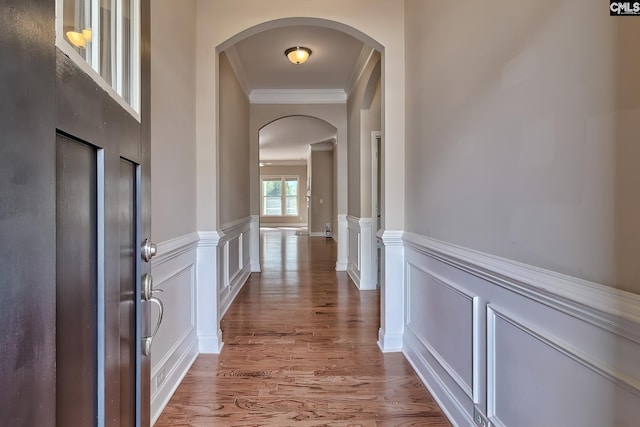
{"points": [[392, 290], [254, 243], [207, 296], [343, 241], [367, 278]]}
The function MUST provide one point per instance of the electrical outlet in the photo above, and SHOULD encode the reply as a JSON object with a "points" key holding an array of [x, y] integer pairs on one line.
{"points": [[479, 418], [160, 378]]}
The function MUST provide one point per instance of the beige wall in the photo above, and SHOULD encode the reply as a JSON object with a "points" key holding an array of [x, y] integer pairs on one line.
{"points": [[379, 22], [522, 133], [288, 170], [233, 165], [370, 121], [321, 190], [173, 110], [355, 116]]}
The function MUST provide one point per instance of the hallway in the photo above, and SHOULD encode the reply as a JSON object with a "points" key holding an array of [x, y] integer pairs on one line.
{"points": [[300, 350]]}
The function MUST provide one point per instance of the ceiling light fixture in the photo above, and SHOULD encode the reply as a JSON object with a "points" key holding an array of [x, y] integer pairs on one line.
{"points": [[298, 54], [80, 38]]}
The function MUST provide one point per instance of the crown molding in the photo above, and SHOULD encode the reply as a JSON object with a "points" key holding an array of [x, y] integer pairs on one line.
{"points": [[298, 96]]}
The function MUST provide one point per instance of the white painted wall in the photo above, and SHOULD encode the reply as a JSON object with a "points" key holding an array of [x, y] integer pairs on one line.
{"points": [[381, 20], [173, 112], [522, 136]]}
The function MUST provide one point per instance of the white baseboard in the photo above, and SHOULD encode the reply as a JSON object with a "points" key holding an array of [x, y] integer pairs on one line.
{"points": [[389, 343]]}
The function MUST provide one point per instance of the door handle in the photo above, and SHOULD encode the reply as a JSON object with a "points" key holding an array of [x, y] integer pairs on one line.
{"points": [[147, 295], [147, 342], [148, 250], [147, 287]]}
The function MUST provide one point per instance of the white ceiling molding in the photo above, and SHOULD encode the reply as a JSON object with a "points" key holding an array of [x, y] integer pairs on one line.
{"points": [[238, 68], [298, 96], [363, 60]]}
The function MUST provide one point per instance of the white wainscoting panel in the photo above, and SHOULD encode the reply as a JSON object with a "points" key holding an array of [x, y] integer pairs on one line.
{"points": [[526, 346], [432, 303], [360, 253], [235, 261], [254, 244], [343, 241], [353, 254], [532, 365], [175, 346]]}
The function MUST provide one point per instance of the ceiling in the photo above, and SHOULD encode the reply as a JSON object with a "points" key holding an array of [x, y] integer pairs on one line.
{"points": [[289, 138], [260, 64], [334, 57]]}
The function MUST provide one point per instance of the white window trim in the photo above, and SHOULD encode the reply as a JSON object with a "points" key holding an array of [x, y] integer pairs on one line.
{"points": [[85, 66], [283, 195]]}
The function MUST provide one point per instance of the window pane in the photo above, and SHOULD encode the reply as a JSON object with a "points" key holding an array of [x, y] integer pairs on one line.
{"points": [[107, 47], [272, 188], [105, 34], [126, 43], [76, 26], [292, 205], [272, 206], [292, 187]]}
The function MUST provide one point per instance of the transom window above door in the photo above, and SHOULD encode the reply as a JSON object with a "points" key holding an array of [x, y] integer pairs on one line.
{"points": [[103, 38], [279, 196]]}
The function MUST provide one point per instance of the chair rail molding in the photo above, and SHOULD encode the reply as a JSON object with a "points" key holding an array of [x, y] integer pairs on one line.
{"points": [[603, 306]]}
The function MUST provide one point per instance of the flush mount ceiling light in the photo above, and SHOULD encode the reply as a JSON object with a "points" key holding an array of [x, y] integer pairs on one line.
{"points": [[298, 54]]}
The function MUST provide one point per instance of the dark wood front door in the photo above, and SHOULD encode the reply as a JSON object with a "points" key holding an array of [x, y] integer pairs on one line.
{"points": [[74, 208]]}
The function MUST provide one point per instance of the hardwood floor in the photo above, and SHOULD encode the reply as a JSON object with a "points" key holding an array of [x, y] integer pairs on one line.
{"points": [[300, 350]]}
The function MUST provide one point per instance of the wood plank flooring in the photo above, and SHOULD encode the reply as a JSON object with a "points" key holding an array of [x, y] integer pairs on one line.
{"points": [[300, 350]]}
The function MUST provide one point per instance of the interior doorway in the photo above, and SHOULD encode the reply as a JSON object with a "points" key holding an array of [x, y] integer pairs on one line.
{"points": [[376, 203]]}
